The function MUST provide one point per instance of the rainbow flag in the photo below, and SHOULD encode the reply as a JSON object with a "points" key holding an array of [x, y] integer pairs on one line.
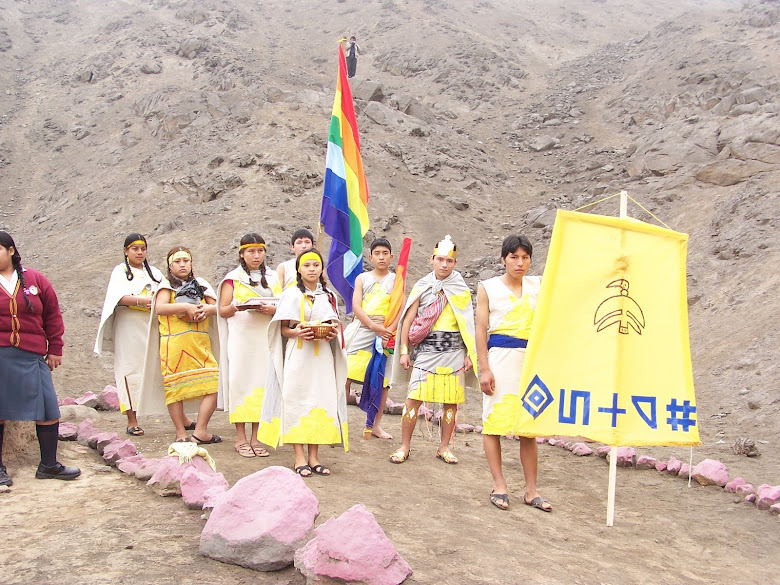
{"points": [[344, 213], [374, 380]]}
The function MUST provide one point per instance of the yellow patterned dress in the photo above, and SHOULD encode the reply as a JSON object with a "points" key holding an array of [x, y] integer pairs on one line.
{"points": [[359, 338], [512, 317], [305, 400], [244, 341]]}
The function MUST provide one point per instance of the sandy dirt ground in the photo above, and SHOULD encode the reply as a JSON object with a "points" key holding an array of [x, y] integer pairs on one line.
{"points": [[107, 527]]}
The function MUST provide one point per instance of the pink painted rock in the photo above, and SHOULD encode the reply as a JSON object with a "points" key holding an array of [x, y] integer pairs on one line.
{"points": [[101, 440], [425, 411], [767, 496], [581, 450], [393, 407], [85, 430], [108, 399], [352, 548], [711, 472], [89, 399], [603, 451], [774, 509], [147, 469], [731, 487], [194, 484], [625, 456], [262, 520], [645, 462], [554, 442], [68, 401], [660, 465], [684, 470], [132, 464], [541, 440], [67, 431], [751, 498], [743, 490], [167, 476], [213, 497], [117, 450], [673, 467], [464, 428], [478, 429]]}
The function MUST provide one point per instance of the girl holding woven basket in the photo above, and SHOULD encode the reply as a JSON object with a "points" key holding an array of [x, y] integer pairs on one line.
{"points": [[305, 402]]}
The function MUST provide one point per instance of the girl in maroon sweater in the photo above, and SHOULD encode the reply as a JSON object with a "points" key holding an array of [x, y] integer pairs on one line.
{"points": [[31, 331]]}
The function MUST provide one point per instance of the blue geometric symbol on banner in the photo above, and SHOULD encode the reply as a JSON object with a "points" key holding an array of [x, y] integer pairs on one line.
{"points": [[537, 397]]}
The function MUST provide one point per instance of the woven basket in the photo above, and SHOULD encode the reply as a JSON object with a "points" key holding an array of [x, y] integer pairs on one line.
{"points": [[320, 331]]}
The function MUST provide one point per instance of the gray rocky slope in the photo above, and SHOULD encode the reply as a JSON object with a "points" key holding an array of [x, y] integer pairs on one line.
{"points": [[196, 121]]}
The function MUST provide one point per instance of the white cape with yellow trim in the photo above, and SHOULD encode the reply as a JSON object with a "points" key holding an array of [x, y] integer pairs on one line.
{"points": [[609, 355], [124, 330], [152, 398], [305, 399], [459, 297], [243, 341]]}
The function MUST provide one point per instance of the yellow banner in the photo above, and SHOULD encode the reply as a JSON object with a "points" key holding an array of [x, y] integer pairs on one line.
{"points": [[609, 356]]}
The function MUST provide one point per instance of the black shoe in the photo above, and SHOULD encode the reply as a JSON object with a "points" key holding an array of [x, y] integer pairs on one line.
{"points": [[5, 479], [57, 471]]}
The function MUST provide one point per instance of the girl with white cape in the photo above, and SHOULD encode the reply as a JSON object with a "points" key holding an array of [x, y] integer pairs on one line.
{"points": [[124, 323], [246, 306], [305, 401]]}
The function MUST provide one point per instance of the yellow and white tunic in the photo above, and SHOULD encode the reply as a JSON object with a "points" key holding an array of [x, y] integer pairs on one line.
{"points": [[359, 339], [290, 274], [437, 374], [181, 358], [124, 330], [243, 339], [510, 316], [305, 400]]}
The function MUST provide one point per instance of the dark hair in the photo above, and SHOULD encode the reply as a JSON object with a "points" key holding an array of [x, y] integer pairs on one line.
{"points": [[323, 282], [253, 238], [177, 282], [384, 242], [129, 273], [512, 243], [6, 241], [301, 233]]}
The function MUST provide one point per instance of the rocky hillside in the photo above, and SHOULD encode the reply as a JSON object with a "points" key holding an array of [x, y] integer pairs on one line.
{"points": [[195, 121]]}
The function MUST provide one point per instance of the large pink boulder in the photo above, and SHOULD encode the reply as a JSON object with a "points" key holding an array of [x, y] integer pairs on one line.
{"points": [[768, 495], [89, 399], [108, 399], [645, 462], [195, 483], [67, 431], [352, 548], [685, 470], [166, 480], [711, 472], [261, 521], [581, 450], [731, 487], [117, 450]]}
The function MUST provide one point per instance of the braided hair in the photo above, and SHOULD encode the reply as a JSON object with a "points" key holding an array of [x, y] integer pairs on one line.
{"points": [[323, 282], [128, 272], [7, 242], [253, 238], [177, 282]]}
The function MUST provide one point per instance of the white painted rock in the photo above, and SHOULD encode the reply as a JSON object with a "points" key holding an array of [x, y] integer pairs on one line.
{"points": [[767, 496], [194, 484], [261, 521], [352, 548], [167, 476], [711, 472]]}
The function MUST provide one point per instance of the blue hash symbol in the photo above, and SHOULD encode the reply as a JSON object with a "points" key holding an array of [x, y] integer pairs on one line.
{"points": [[680, 415], [537, 397]]}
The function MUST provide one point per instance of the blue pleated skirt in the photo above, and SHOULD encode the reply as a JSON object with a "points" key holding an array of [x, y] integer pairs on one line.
{"points": [[26, 387]]}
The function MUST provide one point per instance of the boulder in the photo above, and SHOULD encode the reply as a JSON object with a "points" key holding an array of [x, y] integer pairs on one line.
{"points": [[90, 400], [660, 465], [368, 91], [711, 472], [767, 496], [67, 431], [147, 469], [603, 451], [195, 483], [132, 464], [213, 496], [85, 431], [393, 407], [464, 428], [117, 450], [751, 498], [673, 467], [774, 509], [352, 548], [731, 487], [684, 470], [543, 143], [730, 172], [108, 399], [101, 441], [581, 450], [262, 520], [166, 479], [67, 401], [76, 412], [645, 462], [541, 440]]}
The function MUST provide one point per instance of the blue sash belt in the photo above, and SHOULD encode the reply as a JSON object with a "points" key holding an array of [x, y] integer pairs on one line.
{"points": [[497, 340]]}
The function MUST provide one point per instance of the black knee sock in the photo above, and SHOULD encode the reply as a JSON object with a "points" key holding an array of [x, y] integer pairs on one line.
{"points": [[48, 436], [2, 432]]}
